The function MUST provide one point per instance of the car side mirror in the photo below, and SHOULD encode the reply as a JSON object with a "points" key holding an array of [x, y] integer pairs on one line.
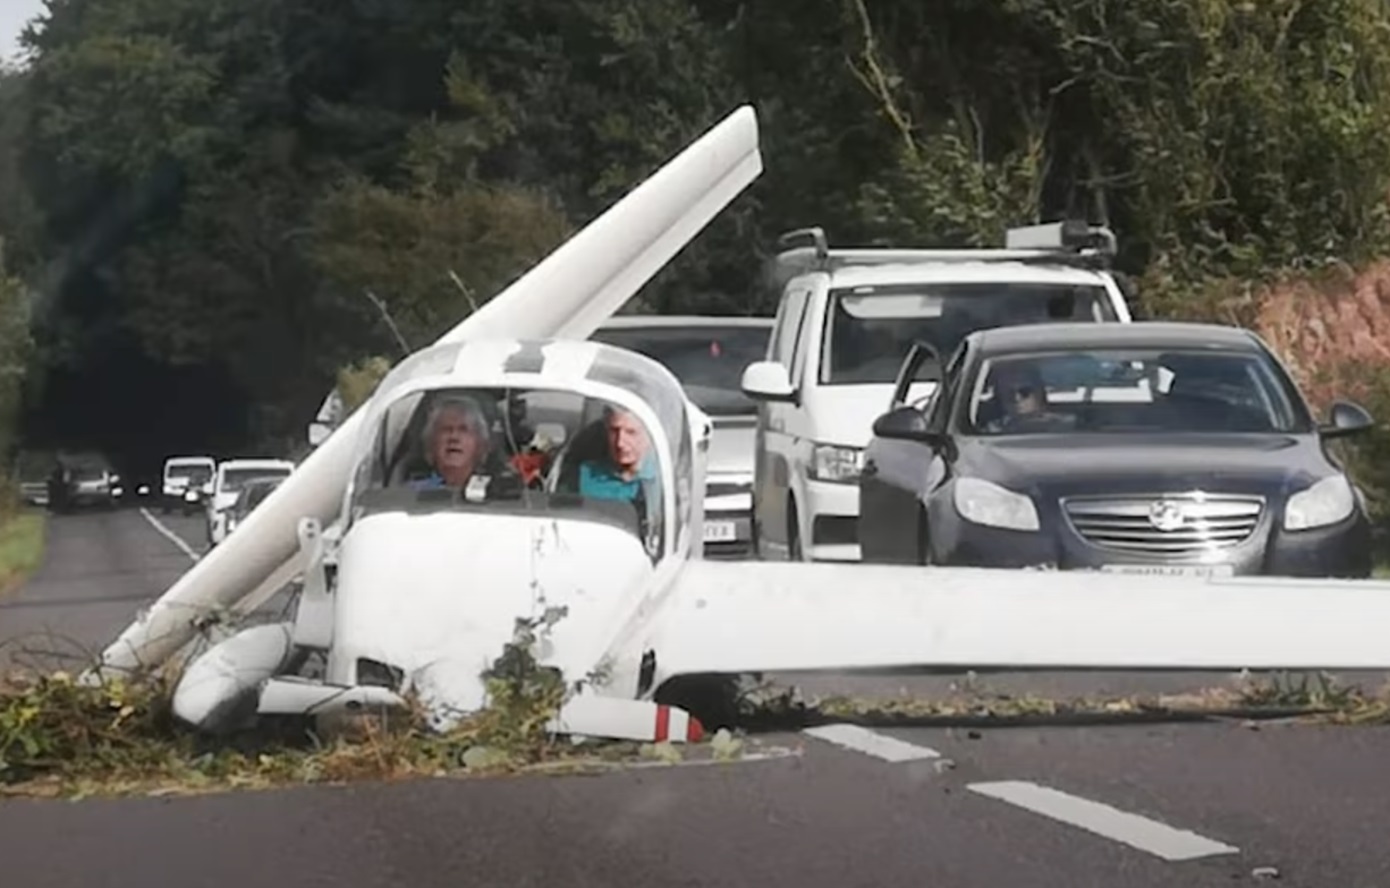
{"points": [[905, 424], [318, 433], [767, 381], [1346, 418]]}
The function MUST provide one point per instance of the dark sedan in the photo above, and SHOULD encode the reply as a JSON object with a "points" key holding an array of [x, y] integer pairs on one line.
{"points": [[1146, 447]]}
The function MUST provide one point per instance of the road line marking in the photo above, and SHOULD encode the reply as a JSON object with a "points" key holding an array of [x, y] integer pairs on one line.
{"points": [[169, 534], [863, 740], [1103, 820]]}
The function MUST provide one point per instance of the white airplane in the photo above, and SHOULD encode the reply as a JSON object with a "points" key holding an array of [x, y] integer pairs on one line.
{"points": [[412, 592]]}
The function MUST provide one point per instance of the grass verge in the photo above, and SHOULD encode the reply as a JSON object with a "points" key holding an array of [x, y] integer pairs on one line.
{"points": [[21, 547], [61, 739]]}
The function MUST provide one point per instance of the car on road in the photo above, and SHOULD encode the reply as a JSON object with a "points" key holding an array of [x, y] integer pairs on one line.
{"points": [[1149, 447], [231, 476], [87, 479], [251, 496], [845, 321], [187, 482], [708, 355]]}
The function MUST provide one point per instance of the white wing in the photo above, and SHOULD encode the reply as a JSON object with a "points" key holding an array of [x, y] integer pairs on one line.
{"points": [[733, 617], [567, 295]]}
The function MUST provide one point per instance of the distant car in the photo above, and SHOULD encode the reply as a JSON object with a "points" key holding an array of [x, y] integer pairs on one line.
{"points": [[1147, 447], [708, 355], [250, 497], [231, 476], [187, 482], [87, 479]]}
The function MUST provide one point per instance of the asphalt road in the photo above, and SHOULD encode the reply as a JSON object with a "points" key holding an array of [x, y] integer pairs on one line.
{"points": [[1181, 805]]}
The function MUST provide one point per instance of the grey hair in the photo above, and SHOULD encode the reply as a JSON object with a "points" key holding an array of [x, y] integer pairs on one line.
{"points": [[470, 408]]}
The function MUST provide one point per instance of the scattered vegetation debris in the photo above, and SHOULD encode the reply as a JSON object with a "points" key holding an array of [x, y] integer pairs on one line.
{"points": [[59, 737], [62, 738]]}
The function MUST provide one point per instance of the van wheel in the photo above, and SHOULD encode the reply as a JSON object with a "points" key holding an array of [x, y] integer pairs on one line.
{"points": [[793, 533]]}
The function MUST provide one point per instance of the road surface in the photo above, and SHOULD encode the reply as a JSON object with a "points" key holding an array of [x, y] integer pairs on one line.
{"points": [[1171, 805]]}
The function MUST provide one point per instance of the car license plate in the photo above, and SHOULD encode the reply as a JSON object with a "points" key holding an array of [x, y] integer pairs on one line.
{"points": [[720, 532], [1172, 570]]}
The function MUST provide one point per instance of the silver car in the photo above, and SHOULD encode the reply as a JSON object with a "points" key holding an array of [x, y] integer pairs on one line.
{"points": [[708, 354]]}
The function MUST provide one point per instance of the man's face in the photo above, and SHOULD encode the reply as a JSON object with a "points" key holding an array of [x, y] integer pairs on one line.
{"points": [[456, 443], [627, 440], [1019, 394]]}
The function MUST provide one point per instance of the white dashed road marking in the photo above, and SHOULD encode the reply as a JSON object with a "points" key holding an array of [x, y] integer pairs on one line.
{"points": [[169, 534], [1131, 829], [866, 741]]}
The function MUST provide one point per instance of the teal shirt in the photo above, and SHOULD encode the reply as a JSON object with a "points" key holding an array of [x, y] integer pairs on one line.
{"points": [[599, 480]]}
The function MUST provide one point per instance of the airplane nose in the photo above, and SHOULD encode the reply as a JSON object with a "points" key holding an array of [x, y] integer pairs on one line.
{"points": [[450, 690]]}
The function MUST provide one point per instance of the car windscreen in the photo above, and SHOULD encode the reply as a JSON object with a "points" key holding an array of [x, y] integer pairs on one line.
{"points": [[194, 473], [256, 492], [870, 329], [1151, 392], [709, 361], [234, 479]]}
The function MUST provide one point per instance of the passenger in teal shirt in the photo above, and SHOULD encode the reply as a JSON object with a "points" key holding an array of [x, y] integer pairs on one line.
{"points": [[630, 465]]}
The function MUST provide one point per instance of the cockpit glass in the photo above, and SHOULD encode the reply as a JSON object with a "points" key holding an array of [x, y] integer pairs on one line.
{"points": [[515, 451]]}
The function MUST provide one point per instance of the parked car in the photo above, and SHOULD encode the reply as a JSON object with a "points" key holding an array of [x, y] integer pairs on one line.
{"points": [[1123, 447], [228, 481], [187, 482], [708, 355], [84, 479], [251, 495], [846, 319]]}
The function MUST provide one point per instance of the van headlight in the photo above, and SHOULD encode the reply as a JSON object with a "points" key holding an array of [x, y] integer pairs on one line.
{"points": [[838, 465], [984, 502], [1329, 501]]}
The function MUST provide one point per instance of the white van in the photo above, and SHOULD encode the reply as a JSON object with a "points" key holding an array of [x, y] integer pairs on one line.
{"points": [[231, 476], [187, 481], [845, 323]]}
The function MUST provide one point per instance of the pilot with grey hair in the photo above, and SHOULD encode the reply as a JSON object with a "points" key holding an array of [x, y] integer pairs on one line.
{"points": [[457, 442]]}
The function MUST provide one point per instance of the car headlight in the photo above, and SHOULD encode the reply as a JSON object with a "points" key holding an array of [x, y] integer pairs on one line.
{"points": [[840, 465], [1327, 502], [191, 496], [987, 503]]}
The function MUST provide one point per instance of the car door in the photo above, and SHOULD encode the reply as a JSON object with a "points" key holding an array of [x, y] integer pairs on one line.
{"points": [[898, 475], [774, 442]]}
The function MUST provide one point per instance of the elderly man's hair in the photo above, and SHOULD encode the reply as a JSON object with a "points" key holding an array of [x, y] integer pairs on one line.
{"points": [[469, 407]]}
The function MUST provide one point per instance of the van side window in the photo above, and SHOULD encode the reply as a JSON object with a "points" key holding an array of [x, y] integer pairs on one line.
{"points": [[789, 320]]}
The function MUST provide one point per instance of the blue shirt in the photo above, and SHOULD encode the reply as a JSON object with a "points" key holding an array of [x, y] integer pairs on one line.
{"points": [[600, 480]]}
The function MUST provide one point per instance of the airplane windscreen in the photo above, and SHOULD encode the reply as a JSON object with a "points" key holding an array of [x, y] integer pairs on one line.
{"points": [[521, 451]]}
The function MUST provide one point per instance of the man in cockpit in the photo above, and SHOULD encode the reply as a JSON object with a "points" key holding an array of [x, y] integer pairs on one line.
{"points": [[456, 442], [629, 466]]}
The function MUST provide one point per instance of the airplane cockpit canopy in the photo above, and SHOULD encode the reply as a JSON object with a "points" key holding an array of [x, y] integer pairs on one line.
{"points": [[515, 450]]}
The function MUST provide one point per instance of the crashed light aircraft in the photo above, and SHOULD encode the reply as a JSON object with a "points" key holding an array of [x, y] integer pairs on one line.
{"points": [[410, 591]]}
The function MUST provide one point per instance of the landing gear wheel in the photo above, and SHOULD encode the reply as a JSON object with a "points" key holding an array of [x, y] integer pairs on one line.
{"points": [[712, 699]]}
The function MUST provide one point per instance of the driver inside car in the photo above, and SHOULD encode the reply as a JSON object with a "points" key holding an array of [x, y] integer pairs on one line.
{"points": [[1021, 397]]}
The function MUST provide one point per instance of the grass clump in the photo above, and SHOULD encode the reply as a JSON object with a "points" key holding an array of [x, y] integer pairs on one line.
{"points": [[22, 535]]}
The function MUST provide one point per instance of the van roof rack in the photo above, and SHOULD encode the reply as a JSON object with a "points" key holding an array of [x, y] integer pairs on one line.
{"points": [[1073, 242]]}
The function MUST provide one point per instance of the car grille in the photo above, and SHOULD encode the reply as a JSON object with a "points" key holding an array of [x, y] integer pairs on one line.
{"points": [[1176, 524]]}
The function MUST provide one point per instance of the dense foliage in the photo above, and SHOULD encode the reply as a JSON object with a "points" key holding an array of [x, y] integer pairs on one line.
{"points": [[234, 181]]}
